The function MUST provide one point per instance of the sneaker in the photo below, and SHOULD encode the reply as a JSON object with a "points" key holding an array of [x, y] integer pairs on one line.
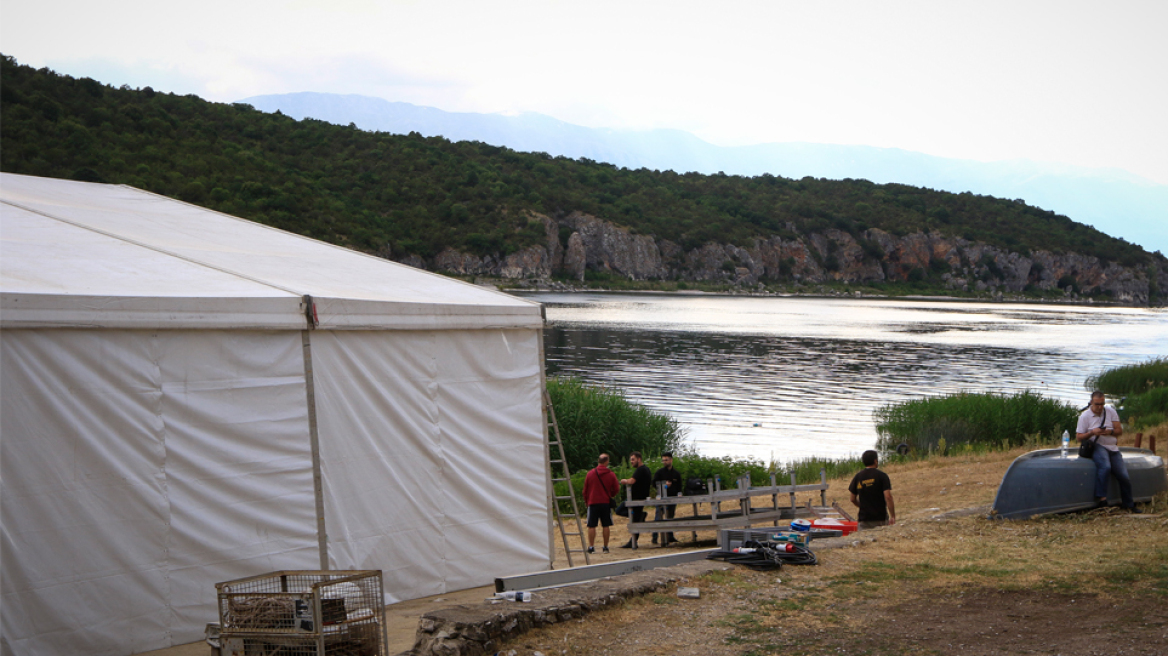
{"points": [[628, 545], [1135, 511], [605, 550], [591, 549]]}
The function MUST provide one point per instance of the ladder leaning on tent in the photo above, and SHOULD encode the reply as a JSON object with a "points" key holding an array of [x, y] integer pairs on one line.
{"points": [[557, 458]]}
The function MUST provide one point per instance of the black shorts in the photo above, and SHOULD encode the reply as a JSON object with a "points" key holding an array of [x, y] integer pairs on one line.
{"points": [[600, 513]]}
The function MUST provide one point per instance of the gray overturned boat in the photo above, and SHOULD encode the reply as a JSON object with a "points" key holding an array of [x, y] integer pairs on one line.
{"points": [[1050, 481]]}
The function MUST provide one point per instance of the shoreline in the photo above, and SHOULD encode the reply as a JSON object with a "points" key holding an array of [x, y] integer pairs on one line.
{"points": [[542, 287]]}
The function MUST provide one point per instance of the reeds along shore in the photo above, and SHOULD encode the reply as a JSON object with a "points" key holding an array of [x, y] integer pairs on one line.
{"points": [[596, 420], [972, 421]]}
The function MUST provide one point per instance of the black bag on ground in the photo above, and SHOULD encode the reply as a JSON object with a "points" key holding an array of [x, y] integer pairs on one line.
{"points": [[695, 486]]}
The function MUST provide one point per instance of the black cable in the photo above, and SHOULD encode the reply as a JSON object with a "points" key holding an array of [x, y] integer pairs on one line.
{"points": [[768, 555]]}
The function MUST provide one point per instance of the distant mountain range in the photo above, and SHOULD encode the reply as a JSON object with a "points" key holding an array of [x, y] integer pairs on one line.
{"points": [[1114, 201]]}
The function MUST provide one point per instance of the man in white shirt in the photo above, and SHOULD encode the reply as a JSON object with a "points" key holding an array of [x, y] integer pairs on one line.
{"points": [[1100, 422]]}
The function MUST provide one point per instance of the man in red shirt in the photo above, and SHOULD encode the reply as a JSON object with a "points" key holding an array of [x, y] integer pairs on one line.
{"points": [[600, 486]]}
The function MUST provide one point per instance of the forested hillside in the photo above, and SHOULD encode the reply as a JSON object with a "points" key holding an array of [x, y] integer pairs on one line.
{"points": [[403, 195]]}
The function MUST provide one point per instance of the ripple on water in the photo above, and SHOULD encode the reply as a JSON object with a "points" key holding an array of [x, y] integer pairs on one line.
{"points": [[790, 378]]}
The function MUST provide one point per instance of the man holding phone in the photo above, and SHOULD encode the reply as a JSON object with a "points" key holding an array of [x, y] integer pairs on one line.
{"points": [[1100, 422]]}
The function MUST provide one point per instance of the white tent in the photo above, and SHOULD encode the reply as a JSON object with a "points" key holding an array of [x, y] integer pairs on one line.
{"points": [[187, 397]]}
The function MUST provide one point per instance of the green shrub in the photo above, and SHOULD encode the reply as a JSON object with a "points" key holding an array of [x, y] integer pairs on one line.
{"points": [[1131, 379], [595, 420], [1144, 410], [972, 421], [1149, 420], [808, 470]]}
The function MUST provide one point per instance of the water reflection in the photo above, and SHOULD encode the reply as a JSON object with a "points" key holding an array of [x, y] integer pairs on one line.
{"points": [[787, 378]]}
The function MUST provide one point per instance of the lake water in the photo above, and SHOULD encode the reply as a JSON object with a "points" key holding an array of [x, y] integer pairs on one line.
{"points": [[785, 378]]}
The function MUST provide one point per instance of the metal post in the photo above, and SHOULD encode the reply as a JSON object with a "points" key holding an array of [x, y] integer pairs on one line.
{"points": [[775, 499], [744, 500], [793, 503], [823, 492], [549, 486], [314, 443]]}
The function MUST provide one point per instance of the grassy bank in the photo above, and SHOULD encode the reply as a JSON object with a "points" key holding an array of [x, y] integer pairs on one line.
{"points": [[596, 419], [938, 582], [970, 421], [1142, 391], [1131, 379]]}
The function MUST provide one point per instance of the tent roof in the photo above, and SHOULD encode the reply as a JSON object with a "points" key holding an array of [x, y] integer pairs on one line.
{"points": [[94, 255]]}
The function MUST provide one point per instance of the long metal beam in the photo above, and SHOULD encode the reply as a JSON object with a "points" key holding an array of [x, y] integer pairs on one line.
{"points": [[558, 577]]}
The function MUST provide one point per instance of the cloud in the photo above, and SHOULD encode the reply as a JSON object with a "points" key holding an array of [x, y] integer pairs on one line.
{"points": [[1068, 82]]}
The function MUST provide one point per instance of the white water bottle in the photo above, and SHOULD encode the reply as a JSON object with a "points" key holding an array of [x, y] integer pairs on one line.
{"points": [[514, 595], [1066, 440]]}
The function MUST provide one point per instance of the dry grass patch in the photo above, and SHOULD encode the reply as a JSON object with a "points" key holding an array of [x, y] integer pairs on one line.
{"points": [[922, 586]]}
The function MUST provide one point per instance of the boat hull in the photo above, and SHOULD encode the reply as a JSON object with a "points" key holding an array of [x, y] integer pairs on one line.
{"points": [[1051, 481]]}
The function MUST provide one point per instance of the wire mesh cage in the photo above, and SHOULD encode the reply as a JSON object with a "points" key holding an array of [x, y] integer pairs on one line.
{"points": [[303, 613]]}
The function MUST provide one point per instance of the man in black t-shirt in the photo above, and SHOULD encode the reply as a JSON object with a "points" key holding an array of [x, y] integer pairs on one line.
{"points": [[639, 486], [872, 493], [672, 480]]}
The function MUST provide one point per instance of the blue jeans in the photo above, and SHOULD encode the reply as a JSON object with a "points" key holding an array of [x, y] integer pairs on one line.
{"points": [[1106, 464], [664, 512]]}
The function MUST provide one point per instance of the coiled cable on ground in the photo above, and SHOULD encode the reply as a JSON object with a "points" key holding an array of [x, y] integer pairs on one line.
{"points": [[767, 555]]}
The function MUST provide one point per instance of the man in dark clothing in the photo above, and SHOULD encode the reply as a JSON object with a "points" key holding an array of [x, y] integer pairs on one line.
{"points": [[639, 486], [872, 493], [672, 480], [600, 486]]}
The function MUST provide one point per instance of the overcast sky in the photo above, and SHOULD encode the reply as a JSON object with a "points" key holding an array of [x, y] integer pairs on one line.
{"points": [[1082, 83]]}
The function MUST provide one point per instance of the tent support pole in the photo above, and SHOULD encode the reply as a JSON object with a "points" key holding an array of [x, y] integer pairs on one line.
{"points": [[550, 489], [314, 441]]}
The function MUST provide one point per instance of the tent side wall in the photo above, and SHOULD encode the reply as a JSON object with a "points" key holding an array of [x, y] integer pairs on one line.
{"points": [[433, 455], [139, 468]]}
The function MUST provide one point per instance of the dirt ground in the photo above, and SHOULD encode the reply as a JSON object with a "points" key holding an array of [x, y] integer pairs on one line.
{"points": [[942, 581]]}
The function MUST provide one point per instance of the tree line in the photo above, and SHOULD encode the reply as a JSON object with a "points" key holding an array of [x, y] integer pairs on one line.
{"points": [[398, 195]]}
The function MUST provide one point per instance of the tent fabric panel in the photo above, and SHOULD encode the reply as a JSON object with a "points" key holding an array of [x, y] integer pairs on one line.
{"points": [[139, 469], [118, 284], [84, 512], [385, 447], [248, 249], [380, 455], [239, 464], [90, 264], [495, 496]]}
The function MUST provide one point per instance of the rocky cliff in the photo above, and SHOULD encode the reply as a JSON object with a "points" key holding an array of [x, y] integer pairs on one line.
{"points": [[872, 256]]}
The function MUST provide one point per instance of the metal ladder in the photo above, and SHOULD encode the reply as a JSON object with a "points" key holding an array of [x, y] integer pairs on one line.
{"points": [[557, 446]]}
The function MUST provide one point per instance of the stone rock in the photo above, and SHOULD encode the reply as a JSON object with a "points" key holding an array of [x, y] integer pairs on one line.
{"points": [[414, 261], [610, 248], [575, 259], [832, 255]]}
